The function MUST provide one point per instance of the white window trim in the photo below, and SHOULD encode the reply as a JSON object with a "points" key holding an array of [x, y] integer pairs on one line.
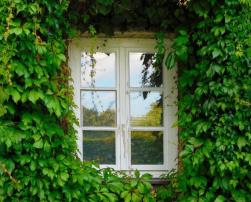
{"points": [[169, 94]]}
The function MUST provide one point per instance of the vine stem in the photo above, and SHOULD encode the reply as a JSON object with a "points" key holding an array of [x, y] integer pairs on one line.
{"points": [[5, 170]]}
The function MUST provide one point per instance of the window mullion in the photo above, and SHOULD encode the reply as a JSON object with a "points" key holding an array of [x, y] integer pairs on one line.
{"points": [[123, 111]]}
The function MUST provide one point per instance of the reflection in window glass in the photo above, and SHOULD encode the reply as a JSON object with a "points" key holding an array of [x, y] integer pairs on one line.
{"points": [[146, 109], [146, 147], [99, 108], [99, 146], [97, 70], [144, 72]]}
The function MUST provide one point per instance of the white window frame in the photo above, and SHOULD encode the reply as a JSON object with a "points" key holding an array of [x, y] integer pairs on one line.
{"points": [[122, 47]]}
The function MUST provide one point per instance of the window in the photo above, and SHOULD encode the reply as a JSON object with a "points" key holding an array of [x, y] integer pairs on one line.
{"points": [[126, 104]]}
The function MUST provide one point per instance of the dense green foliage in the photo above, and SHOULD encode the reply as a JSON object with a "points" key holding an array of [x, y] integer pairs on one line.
{"points": [[37, 140], [214, 106], [38, 160]]}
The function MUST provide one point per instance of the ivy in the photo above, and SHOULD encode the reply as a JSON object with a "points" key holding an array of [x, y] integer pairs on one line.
{"points": [[38, 159], [214, 123]]}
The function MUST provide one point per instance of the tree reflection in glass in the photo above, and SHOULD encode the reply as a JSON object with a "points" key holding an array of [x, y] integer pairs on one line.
{"points": [[146, 111], [146, 147], [99, 146], [98, 69], [99, 108], [144, 71]]}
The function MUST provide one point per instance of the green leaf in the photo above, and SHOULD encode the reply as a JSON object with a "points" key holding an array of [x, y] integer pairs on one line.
{"points": [[137, 174], [38, 144], [20, 69], [17, 31], [170, 60], [249, 52], [216, 53], [146, 176], [220, 198], [133, 183], [241, 142], [112, 197], [128, 197], [34, 95], [53, 104], [181, 40], [136, 197], [62, 57], [64, 176], [15, 95], [182, 53], [124, 194]]}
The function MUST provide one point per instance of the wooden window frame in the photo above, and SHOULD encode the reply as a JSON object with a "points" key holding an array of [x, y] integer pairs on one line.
{"points": [[122, 47]]}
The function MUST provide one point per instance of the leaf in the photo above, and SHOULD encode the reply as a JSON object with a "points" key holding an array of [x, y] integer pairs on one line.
{"points": [[64, 176], [241, 142], [196, 142], [124, 194], [17, 31], [182, 53], [170, 60], [62, 57], [249, 52], [133, 183], [146, 176], [112, 197], [34, 95], [137, 173], [128, 197], [53, 104], [220, 198], [216, 53], [15, 95], [19, 69], [136, 197], [38, 144], [181, 40]]}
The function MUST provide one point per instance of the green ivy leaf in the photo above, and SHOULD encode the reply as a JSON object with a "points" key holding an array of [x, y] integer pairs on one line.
{"points": [[64, 176], [34, 95], [15, 94], [241, 142], [17, 31], [170, 60], [220, 198], [38, 144], [182, 53], [216, 53]]}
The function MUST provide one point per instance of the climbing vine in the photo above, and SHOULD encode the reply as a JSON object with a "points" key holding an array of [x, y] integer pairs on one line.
{"points": [[212, 47]]}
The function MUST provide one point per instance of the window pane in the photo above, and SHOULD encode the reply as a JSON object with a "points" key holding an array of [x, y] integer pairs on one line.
{"points": [[143, 71], [146, 108], [146, 147], [97, 70], [99, 146], [99, 108]]}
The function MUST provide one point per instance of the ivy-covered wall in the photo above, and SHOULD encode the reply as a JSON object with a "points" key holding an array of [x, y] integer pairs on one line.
{"points": [[215, 104], [38, 159]]}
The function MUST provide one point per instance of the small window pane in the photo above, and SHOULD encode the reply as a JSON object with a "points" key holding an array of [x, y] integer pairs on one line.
{"points": [[99, 146], [146, 148], [99, 108], [146, 108], [98, 69], [144, 72]]}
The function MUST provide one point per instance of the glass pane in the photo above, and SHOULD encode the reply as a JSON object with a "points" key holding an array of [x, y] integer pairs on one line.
{"points": [[146, 108], [99, 108], [99, 146], [146, 147], [144, 72], [97, 70]]}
